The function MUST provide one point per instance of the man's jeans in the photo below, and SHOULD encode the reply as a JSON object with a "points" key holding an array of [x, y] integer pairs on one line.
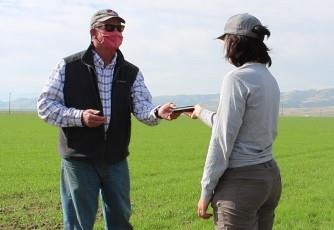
{"points": [[81, 184]]}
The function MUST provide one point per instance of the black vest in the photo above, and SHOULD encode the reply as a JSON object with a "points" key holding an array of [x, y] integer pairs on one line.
{"points": [[81, 92]]}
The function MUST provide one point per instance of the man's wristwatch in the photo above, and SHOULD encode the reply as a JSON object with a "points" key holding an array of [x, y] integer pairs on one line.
{"points": [[156, 112]]}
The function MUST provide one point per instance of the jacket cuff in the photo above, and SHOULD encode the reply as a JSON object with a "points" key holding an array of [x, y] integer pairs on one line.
{"points": [[206, 195]]}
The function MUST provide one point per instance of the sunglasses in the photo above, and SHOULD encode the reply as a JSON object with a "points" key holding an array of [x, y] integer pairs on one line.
{"points": [[111, 27]]}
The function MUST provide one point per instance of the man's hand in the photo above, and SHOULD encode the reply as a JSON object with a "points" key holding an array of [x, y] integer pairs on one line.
{"points": [[166, 112], [202, 207], [194, 114], [91, 119]]}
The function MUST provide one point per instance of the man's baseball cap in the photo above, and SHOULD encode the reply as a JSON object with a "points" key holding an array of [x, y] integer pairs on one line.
{"points": [[241, 24], [104, 15]]}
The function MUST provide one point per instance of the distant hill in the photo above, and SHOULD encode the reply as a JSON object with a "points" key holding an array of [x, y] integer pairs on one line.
{"points": [[306, 99], [292, 99]]}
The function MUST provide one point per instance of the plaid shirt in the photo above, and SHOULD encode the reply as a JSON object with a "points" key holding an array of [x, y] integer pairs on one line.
{"points": [[51, 108]]}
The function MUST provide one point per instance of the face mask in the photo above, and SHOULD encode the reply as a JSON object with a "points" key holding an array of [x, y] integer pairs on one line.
{"points": [[110, 40]]}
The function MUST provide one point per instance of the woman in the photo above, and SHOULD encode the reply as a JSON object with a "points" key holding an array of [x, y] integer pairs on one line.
{"points": [[240, 178]]}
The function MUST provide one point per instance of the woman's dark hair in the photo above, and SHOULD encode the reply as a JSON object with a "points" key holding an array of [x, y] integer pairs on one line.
{"points": [[241, 49]]}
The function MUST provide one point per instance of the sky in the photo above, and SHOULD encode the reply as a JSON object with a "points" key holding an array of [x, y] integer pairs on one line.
{"points": [[171, 41]]}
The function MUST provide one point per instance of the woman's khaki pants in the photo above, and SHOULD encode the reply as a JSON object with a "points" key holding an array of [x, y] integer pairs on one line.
{"points": [[246, 197]]}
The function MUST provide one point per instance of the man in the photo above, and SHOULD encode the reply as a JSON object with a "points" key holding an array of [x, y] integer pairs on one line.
{"points": [[90, 96]]}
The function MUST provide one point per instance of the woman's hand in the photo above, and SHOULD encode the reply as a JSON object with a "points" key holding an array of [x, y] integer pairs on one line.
{"points": [[202, 208], [194, 114]]}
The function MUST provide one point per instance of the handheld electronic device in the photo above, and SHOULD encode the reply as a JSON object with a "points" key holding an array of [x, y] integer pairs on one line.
{"points": [[182, 109]]}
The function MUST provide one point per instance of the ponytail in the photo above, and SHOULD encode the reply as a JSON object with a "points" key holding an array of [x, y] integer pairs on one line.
{"points": [[261, 31]]}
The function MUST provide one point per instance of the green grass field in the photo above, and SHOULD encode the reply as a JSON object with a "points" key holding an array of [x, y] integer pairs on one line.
{"points": [[166, 166]]}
